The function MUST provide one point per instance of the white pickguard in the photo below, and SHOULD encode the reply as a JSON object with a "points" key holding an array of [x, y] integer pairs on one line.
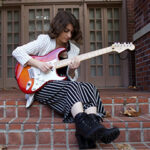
{"points": [[41, 78]]}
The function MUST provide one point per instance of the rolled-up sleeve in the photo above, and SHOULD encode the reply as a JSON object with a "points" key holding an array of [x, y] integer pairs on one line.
{"points": [[22, 53]]}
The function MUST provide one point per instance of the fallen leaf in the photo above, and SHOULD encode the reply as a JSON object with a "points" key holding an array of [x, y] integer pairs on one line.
{"points": [[124, 147], [107, 114], [3, 147], [131, 112]]}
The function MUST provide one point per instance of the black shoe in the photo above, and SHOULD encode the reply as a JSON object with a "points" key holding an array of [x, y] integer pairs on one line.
{"points": [[85, 143], [105, 135], [85, 126], [110, 135]]}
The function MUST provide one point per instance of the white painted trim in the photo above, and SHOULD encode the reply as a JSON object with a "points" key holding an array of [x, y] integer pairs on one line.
{"points": [[141, 32]]}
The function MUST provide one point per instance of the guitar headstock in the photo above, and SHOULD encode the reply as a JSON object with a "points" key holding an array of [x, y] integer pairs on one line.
{"points": [[118, 47]]}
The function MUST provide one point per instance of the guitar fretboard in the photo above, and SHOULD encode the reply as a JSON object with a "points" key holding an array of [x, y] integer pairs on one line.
{"points": [[85, 56]]}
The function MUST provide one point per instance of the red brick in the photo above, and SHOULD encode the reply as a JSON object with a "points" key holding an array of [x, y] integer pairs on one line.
{"points": [[2, 127], [146, 135], [46, 112], [10, 112], [34, 111], [142, 100], [1, 102], [1, 112], [118, 110], [107, 146], [74, 147], [60, 146], [27, 147], [32, 120], [29, 138], [59, 137], [118, 100], [60, 126], [144, 108], [133, 124], [14, 126], [2, 138], [71, 126], [13, 147], [72, 138], [12, 102], [131, 100], [35, 103], [119, 124], [122, 136], [44, 138], [44, 126], [117, 119], [22, 112], [45, 120], [21, 103], [134, 135], [29, 126], [58, 120], [139, 146], [106, 124], [125, 119], [107, 101], [18, 120], [14, 138], [146, 124]]}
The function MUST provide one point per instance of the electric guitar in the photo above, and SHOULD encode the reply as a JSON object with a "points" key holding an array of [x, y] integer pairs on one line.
{"points": [[31, 79]]}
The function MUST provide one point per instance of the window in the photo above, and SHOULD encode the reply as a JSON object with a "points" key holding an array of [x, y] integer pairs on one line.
{"points": [[95, 23], [113, 33], [13, 39], [0, 46], [39, 22], [104, 30]]}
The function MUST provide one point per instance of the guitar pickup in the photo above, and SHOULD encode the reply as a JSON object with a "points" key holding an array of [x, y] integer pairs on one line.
{"points": [[31, 73]]}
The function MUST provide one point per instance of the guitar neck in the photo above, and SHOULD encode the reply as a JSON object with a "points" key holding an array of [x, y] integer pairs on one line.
{"points": [[65, 62]]}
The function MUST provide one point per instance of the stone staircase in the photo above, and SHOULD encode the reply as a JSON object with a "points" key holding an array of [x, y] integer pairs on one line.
{"points": [[40, 128]]}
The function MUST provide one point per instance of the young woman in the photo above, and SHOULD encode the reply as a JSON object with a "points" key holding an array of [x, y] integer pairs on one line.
{"points": [[79, 102]]}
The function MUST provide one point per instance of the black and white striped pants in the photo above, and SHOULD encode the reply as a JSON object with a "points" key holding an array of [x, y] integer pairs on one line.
{"points": [[62, 95]]}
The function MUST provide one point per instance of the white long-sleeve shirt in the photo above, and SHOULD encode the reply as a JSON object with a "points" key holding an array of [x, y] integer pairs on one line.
{"points": [[40, 47]]}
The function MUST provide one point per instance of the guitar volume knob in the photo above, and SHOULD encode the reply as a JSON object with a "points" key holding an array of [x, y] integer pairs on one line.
{"points": [[28, 85]]}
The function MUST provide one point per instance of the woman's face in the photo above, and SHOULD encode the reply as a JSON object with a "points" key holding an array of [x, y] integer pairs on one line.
{"points": [[66, 35]]}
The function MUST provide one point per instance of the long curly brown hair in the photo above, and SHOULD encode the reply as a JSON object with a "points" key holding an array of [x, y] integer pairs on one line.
{"points": [[59, 23]]}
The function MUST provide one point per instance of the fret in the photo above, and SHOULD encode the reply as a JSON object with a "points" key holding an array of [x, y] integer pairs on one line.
{"points": [[62, 63], [82, 57], [94, 53], [117, 47]]}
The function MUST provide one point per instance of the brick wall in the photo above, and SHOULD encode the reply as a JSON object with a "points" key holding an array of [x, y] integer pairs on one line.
{"points": [[130, 32], [142, 13], [142, 18]]}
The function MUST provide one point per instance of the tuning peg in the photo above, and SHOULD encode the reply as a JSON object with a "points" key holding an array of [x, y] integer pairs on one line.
{"points": [[131, 43]]}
